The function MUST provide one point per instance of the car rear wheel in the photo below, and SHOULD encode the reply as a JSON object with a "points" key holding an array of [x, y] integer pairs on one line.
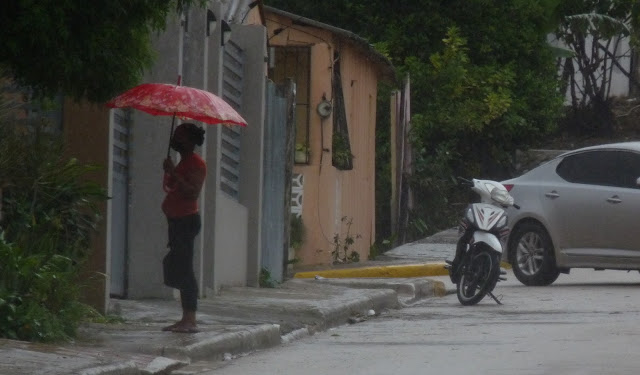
{"points": [[532, 256]]}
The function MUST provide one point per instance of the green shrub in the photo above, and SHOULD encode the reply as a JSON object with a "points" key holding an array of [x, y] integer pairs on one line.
{"points": [[266, 280], [49, 215], [38, 295]]}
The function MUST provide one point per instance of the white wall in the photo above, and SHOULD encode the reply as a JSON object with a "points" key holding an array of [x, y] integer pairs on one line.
{"points": [[230, 261], [619, 82]]}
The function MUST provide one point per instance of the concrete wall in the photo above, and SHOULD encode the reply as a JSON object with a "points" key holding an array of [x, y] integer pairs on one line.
{"points": [[230, 256], [149, 141], [253, 40], [232, 245], [195, 59], [214, 136], [229, 243]]}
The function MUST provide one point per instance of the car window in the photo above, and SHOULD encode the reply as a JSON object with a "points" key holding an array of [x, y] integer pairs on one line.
{"points": [[628, 169], [601, 167], [591, 167]]}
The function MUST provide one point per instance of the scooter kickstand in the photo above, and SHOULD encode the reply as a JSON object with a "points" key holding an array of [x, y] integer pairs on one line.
{"points": [[494, 298]]}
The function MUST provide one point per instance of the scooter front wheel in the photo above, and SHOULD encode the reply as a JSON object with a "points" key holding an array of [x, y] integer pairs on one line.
{"points": [[479, 275]]}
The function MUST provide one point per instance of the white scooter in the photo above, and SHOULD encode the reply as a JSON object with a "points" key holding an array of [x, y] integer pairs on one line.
{"points": [[483, 231]]}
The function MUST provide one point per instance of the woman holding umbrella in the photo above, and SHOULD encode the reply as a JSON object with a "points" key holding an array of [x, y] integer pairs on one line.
{"points": [[183, 183]]}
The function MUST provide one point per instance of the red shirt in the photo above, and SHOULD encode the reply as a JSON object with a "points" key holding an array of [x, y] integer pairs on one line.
{"points": [[178, 204]]}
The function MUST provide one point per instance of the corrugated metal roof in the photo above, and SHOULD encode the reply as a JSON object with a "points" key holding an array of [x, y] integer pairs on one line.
{"points": [[387, 69]]}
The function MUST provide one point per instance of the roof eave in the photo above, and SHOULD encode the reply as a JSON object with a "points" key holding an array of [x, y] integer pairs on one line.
{"points": [[386, 68]]}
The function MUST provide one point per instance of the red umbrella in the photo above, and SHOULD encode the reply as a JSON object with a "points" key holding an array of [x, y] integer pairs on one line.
{"points": [[181, 101]]}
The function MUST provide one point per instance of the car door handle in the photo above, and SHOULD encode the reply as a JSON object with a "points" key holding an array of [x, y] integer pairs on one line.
{"points": [[614, 199], [552, 195]]}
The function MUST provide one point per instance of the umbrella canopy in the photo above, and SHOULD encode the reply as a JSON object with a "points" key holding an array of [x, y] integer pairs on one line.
{"points": [[181, 101]]}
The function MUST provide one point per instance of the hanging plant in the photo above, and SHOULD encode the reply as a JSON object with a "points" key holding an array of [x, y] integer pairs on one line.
{"points": [[341, 156], [301, 154]]}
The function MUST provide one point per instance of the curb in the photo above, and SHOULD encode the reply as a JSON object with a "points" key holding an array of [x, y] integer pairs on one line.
{"points": [[295, 335], [248, 340], [408, 290], [396, 271], [127, 368], [339, 314]]}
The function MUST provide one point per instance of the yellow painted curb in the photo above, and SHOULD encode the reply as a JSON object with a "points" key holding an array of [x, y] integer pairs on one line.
{"points": [[395, 271], [398, 271]]}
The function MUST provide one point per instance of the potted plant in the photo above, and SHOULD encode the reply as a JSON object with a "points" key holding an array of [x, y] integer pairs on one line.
{"points": [[301, 154]]}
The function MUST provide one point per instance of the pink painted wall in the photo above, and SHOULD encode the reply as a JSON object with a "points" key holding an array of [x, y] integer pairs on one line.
{"points": [[330, 194]]}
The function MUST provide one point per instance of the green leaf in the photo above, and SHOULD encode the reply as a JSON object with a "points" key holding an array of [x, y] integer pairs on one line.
{"points": [[561, 52]]}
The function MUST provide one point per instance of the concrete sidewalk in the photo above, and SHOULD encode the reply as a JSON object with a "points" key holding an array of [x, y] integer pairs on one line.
{"points": [[239, 320]]}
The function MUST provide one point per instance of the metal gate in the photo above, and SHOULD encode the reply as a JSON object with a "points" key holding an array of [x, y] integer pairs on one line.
{"points": [[119, 203], [273, 203]]}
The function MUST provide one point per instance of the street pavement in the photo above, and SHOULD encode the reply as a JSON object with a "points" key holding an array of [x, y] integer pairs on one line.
{"points": [[238, 321]]}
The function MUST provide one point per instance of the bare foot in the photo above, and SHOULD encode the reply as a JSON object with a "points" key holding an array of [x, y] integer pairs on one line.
{"points": [[185, 328], [171, 327]]}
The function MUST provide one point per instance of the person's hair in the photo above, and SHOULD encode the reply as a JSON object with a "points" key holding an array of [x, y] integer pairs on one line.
{"points": [[195, 133]]}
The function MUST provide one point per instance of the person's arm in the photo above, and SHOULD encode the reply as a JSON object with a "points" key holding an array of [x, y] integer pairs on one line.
{"points": [[188, 183]]}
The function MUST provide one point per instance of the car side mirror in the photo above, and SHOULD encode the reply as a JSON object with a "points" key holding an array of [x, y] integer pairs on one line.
{"points": [[638, 182]]}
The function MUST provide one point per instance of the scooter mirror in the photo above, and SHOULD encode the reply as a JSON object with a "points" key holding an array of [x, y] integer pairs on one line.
{"points": [[502, 197]]}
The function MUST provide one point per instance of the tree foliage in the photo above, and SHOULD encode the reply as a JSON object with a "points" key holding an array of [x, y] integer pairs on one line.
{"points": [[84, 50], [601, 34]]}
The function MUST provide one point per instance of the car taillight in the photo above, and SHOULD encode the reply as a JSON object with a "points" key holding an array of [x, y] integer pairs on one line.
{"points": [[508, 187]]}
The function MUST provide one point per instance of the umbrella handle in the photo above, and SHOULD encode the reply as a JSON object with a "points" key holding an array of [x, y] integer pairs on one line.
{"points": [[165, 179], [173, 121]]}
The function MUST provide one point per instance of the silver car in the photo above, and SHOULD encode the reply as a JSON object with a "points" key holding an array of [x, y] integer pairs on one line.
{"points": [[578, 210]]}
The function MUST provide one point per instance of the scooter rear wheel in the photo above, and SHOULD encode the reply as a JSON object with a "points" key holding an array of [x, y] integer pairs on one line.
{"points": [[479, 276]]}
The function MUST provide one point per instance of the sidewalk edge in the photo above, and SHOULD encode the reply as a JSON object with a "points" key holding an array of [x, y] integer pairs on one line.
{"points": [[244, 341]]}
